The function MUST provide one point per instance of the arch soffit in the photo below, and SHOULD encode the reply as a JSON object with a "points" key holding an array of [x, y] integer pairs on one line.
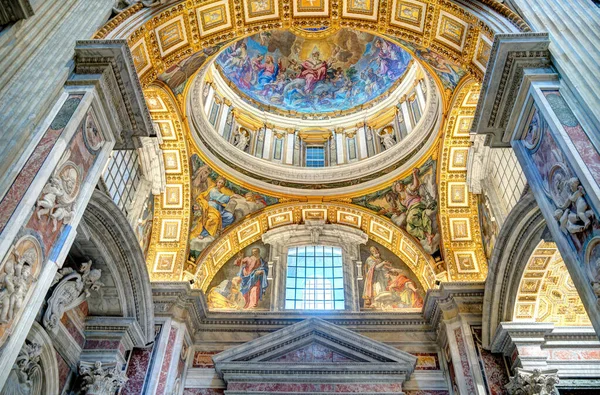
{"points": [[520, 235], [377, 228], [162, 37], [459, 216], [115, 240], [166, 255]]}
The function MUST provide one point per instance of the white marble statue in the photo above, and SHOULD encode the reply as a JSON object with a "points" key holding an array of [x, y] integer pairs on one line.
{"points": [[15, 281], [242, 139], [387, 138]]}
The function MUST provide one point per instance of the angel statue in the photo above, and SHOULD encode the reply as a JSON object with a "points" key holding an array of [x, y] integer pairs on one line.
{"points": [[242, 138], [15, 279], [387, 137]]}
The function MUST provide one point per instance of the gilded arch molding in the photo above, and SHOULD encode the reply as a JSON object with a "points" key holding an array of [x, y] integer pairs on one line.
{"points": [[377, 228], [459, 216], [168, 244], [161, 37]]}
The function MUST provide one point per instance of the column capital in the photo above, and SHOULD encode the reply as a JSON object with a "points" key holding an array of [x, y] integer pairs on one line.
{"points": [[533, 382], [101, 379]]}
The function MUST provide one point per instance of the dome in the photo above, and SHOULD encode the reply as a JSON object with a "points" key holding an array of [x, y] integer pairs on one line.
{"points": [[315, 113], [295, 75]]}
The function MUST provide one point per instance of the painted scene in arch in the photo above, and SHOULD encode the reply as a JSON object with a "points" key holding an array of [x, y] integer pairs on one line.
{"points": [[412, 204], [388, 283], [241, 284], [292, 73], [216, 204]]}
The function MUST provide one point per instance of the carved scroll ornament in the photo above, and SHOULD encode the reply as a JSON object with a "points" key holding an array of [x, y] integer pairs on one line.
{"points": [[73, 289]]}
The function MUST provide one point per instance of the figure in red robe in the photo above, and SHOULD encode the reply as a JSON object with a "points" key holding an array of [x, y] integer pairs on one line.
{"points": [[313, 70]]}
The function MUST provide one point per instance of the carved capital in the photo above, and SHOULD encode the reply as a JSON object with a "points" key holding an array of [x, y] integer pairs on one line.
{"points": [[533, 382], [99, 380]]}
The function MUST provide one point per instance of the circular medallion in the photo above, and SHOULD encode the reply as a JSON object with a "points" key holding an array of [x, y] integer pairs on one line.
{"points": [[91, 134], [70, 176], [558, 178], [533, 137]]}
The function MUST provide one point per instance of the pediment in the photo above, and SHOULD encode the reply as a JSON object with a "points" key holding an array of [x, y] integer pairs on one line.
{"points": [[311, 343]]}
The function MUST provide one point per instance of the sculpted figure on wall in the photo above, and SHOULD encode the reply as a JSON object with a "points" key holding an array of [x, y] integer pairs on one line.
{"points": [[59, 194], [26, 377], [387, 137], [73, 288], [242, 138], [17, 273]]}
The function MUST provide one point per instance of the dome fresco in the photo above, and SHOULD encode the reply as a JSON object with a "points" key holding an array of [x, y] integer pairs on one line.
{"points": [[289, 73]]}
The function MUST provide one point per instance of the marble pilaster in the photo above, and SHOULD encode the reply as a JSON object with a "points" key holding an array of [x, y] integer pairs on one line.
{"points": [[42, 209], [35, 59]]}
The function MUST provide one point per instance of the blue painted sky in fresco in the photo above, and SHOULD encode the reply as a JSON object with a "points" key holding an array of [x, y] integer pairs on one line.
{"points": [[339, 78]]}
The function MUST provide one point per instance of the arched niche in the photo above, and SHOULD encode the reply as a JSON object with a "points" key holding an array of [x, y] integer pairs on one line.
{"points": [[546, 291], [520, 235], [109, 241]]}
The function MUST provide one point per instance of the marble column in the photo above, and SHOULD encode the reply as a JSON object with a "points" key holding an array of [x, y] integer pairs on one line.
{"points": [[464, 359], [574, 29], [40, 212], [168, 358]]}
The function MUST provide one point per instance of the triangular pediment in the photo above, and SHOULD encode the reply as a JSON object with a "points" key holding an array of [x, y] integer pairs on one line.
{"points": [[315, 342]]}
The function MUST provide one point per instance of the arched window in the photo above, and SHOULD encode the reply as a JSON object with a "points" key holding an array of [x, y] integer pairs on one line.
{"points": [[315, 278]]}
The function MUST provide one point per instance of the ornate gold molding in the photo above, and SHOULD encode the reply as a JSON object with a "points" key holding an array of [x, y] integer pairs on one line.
{"points": [[166, 256], [459, 217], [378, 228]]}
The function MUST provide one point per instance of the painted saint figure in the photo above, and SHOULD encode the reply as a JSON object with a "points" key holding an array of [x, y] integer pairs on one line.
{"points": [[403, 291], [313, 70], [375, 280], [218, 200], [253, 273]]}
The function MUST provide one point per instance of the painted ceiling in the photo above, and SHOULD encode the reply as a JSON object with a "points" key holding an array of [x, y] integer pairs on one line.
{"points": [[171, 43], [286, 72]]}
